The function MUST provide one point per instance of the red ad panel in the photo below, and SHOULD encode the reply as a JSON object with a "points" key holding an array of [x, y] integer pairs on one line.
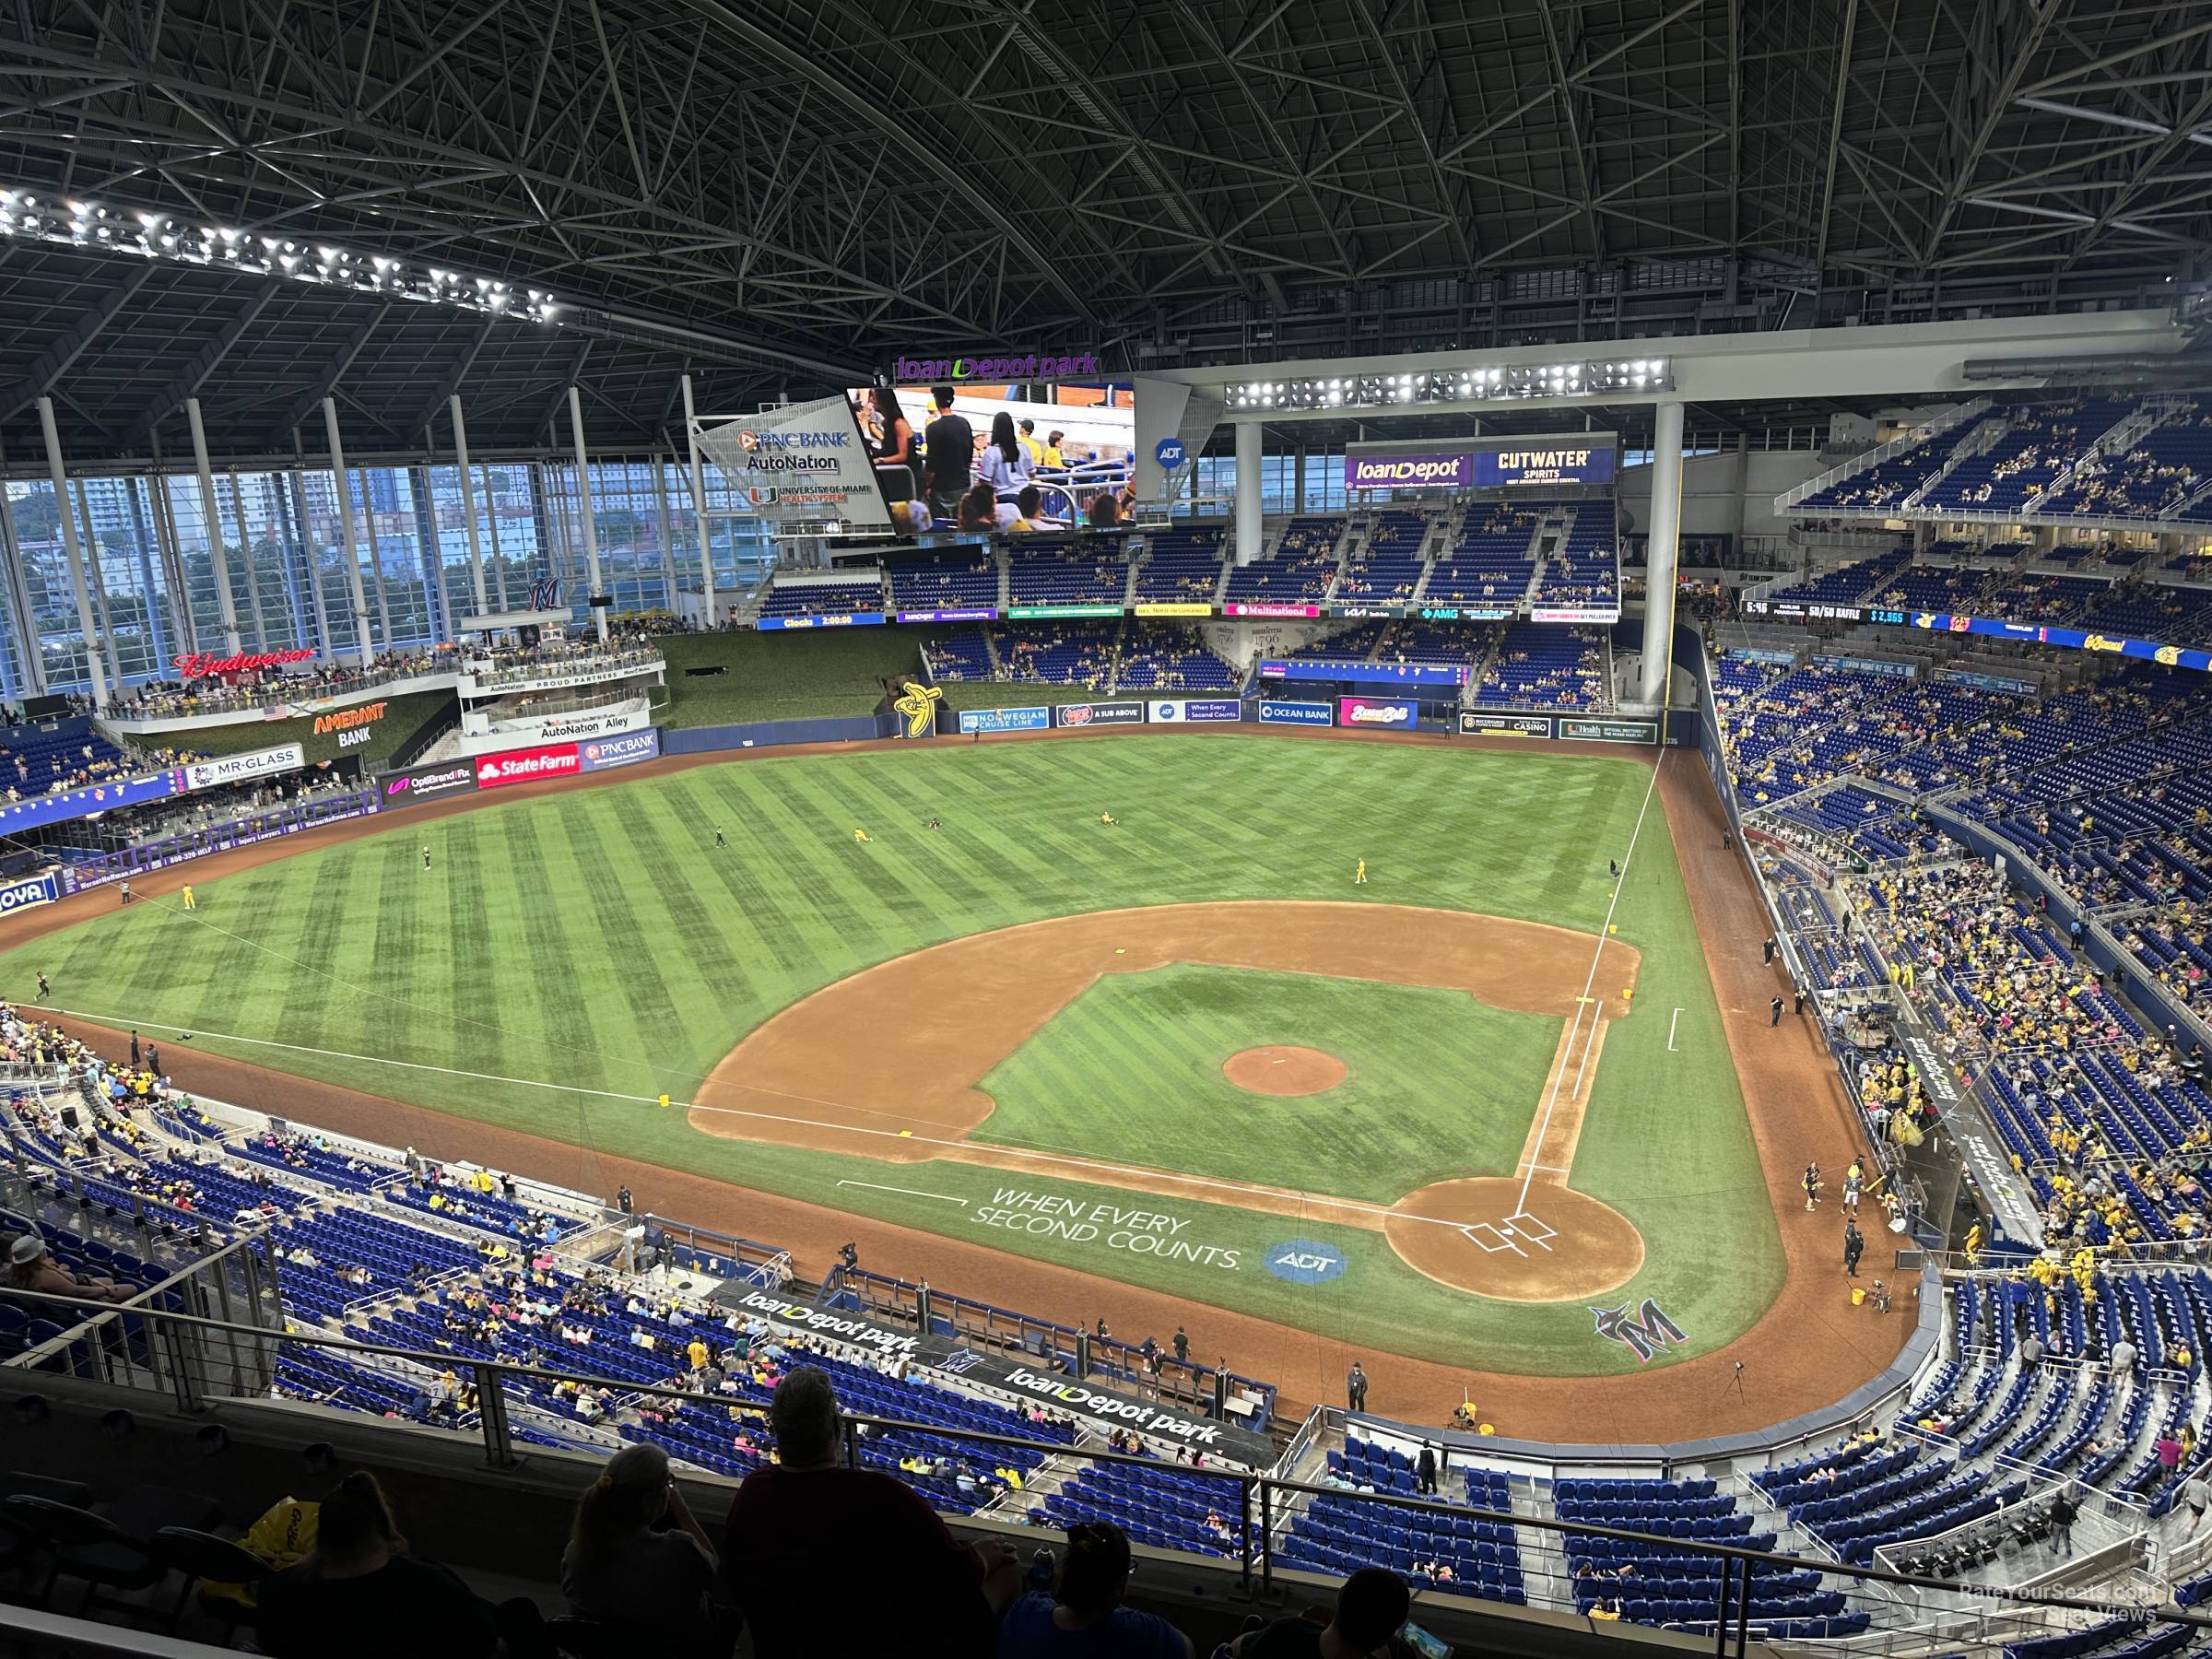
{"points": [[528, 765]]}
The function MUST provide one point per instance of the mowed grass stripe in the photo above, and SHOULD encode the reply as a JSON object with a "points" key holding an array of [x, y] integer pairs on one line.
{"points": [[631, 918], [542, 974]]}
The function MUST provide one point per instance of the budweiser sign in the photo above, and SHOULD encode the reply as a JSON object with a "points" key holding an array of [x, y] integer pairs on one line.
{"points": [[201, 664]]}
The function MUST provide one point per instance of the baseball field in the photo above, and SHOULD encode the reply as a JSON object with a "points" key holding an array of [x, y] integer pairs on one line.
{"points": [[1448, 1113]]}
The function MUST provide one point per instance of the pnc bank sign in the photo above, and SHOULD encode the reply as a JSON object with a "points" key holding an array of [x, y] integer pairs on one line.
{"points": [[998, 365]]}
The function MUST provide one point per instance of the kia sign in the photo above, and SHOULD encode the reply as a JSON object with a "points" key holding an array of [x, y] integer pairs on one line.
{"points": [[1180, 710], [1098, 714], [1296, 714], [1378, 714], [428, 784], [528, 765], [1168, 454], [626, 751], [236, 769], [22, 895]]}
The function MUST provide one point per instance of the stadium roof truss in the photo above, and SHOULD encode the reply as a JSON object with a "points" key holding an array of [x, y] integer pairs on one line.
{"points": [[779, 195]]}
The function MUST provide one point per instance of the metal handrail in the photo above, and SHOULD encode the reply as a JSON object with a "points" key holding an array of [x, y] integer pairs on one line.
{"points": [[1261, 1496]]}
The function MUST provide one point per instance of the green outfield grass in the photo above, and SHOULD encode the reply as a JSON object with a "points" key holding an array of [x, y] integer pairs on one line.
{"points": [[808, 676], [598, 940], [1436, 1085]]}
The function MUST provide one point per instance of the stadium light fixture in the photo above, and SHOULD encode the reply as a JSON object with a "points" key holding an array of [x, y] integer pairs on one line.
{"points": [[27, 217], [1645, 375]]}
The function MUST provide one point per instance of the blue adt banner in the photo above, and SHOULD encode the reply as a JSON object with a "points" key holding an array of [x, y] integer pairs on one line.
{"points": [[1005, 719], [1296, 714]]}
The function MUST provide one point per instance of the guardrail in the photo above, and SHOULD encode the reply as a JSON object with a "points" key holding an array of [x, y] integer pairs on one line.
{"points": [[198, 1361]]}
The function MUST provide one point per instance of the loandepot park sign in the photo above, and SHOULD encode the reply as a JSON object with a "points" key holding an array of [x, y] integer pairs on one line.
{"points": [[1483, 463], [998, 365]]}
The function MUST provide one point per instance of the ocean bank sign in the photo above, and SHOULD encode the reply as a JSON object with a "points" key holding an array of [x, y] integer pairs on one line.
{"points": [[1296, 714]]}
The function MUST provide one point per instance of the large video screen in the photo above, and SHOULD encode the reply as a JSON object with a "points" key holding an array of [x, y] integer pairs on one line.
{"points": [[976, 459]]}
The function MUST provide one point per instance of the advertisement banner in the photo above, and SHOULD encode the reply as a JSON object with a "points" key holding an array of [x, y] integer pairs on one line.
{"points": [[632, 714], [553, 680], [1007, 1374], [31, 891], [794, 624], [1378, 714], [1022, 612], [1272, 610], [2073, 639], [1005, 719], [1564, 462], [1179, 608], [236, 769], [16, 816], [1181, 710], [200, 665], [1296, 714], [978, 614], [1983, 682], [1434, 470], [1610, 731], [1584, 614], [998, 363], [626, 751], [1752, 653], [1363, 674], [800, 464], [1365, 612], [1474, 724], [1869, 665], [528, 765], [428, 784], [1098, 713]]}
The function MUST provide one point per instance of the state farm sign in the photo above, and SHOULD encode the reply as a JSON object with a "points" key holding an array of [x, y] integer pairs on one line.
{"points": [[528, 765]]}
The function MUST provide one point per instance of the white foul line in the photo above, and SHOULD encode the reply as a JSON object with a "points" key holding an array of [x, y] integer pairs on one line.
{"points": [[910, 1192], [1551, 1099], [1670, 1032]]}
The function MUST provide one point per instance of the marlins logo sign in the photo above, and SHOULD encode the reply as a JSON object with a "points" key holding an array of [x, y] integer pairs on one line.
{"points": [[920, 706], [1645, 1331]]}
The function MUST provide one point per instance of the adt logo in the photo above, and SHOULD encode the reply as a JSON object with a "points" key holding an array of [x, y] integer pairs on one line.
{"points": [[1169, 453], [1305, 1261]]}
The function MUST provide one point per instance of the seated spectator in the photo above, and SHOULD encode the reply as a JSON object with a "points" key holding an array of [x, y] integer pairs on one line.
{"points": [[1370, 1609], [32, 1268], [637, 1558], [804, 1532], [360, 1595], [1084, 1619]]}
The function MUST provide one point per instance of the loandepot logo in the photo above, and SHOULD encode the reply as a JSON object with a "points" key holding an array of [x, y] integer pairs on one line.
{"points": [[1306, 1261]]}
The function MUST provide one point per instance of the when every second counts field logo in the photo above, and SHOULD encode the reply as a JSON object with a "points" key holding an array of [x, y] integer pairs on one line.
{"points": [[1306, 1261]]}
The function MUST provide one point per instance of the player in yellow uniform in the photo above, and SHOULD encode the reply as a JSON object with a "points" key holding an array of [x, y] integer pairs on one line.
{"points": [[1108, 817], [860, 835], [1360, 875], [190, 902]]}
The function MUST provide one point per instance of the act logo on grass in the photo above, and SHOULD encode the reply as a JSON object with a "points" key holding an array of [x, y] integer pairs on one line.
{"points": [[1305, 1261]]}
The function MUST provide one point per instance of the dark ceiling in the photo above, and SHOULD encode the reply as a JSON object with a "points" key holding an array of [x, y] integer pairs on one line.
{"points": [[778, 196]]}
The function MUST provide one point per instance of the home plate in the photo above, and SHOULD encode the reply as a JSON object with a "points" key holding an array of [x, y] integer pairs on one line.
{"points": [[1503, 1237]]}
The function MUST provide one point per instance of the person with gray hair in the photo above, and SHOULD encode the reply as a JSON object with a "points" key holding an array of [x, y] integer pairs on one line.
{"points": [[822, 1559], [636, 1557]]}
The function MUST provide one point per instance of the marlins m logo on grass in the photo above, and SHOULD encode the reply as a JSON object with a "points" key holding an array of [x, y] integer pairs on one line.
{"points": [[1644, 1333], [920, 706]]}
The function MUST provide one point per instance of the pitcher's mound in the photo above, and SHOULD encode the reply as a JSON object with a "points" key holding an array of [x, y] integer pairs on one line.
{"points": [[1284, 1071], [1468, 1235]]}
